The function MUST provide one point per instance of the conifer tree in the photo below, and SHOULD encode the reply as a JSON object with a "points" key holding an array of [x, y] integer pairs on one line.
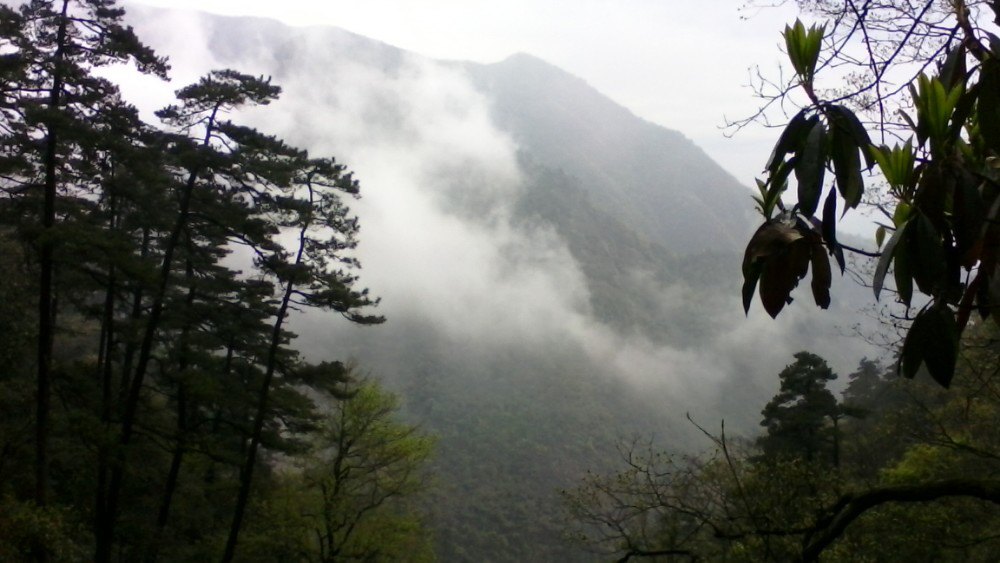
{"points": [[308, 277], [801, 419], [168, 351], [52, 109]]}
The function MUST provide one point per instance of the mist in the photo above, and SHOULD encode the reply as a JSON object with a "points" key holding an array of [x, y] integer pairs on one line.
{"points": [[439, 244]]}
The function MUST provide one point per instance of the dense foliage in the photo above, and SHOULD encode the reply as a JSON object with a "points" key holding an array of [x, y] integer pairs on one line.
{"points": [[926, 73], [152, 401], [801, 420], [897, 469], [913, 479]]}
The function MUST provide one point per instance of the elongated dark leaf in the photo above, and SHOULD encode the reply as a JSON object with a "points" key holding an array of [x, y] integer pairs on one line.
{"points": [[952, 70], [822, 277], [902, 272], [993, 293], [926, 254], [989, 103], [780, 176], [936, 181], [778, 183], [750, 276], [809, 168], [968, 215], [963, 110], [829, 229], [885, 260], [909, 120], [791, 138], [932, 342], [846, 166], [984, 301], [994, 40], [781, 274], [847, 120]]}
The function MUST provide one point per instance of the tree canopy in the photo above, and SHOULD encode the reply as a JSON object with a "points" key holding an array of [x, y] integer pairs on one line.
{"points": [[926, 77], [895, 106], [913, 479], [147, 273], [801, 420]]}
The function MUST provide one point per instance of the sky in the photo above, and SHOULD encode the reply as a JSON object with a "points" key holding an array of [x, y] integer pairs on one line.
{"points": [[684, 65]]}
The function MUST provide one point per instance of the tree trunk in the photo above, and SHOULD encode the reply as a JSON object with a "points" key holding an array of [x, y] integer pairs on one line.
{"points": [[182, 428], [135, 315], [246, 473], [103, 552], [104, 367], [46, 306]]}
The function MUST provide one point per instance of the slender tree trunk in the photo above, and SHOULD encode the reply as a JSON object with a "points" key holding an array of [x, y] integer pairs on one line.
{"points": [[104, 365], [246, 473], [180, 447], [330, 497], [216, 416], [175, 470], [46, 311], [104, 463], [175, 463], [103, 552], [46, 305], [134, 316]]}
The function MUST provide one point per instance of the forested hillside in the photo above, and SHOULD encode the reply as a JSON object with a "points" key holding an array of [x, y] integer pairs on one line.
{"points": [[556, 272], [317, 298], [888, 470], [153, 404]]}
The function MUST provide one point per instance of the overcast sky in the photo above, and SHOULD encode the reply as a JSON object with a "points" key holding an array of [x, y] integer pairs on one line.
{"points": [[678, 63]]}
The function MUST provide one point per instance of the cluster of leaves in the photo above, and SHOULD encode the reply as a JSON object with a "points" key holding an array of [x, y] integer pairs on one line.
{"points": [[943, 183], [352, 498], [906, 481], [156, 372]]}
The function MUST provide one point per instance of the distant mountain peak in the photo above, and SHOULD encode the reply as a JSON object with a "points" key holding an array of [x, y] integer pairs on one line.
{"points": [[652, 178], [525, 59]]}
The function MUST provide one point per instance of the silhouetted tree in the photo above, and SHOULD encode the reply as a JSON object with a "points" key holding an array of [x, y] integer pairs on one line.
{"points": [[802, 419]]}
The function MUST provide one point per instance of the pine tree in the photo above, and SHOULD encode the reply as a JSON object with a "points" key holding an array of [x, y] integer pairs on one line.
{"points": [[324, 230], [801, 420], [53, 109], [168, 352]]}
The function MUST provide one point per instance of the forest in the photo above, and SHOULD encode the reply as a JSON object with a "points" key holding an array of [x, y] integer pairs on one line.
{"points": [[153, 402], [157, 403]]}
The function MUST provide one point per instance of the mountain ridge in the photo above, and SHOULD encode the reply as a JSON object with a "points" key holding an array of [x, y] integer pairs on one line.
{"points": [[583, 267], [565, 122]]}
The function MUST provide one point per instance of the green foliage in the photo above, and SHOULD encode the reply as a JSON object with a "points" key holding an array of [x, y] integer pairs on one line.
{"points": [[354, 497], [920, 457], [942, 181], [169, 364], [366, 467], [24, 525], [803, 47], [801, 420]]}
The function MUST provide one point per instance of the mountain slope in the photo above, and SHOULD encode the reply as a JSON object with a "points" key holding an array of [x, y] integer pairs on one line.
{"points": [[557, 273], [654, 178]]}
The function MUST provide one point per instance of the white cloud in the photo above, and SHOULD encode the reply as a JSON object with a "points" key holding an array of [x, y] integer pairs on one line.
{"points": [[420, 138]]}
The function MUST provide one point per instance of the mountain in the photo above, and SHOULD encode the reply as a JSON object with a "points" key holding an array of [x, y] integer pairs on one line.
{"points": [[558, 273], [656, 180]]}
